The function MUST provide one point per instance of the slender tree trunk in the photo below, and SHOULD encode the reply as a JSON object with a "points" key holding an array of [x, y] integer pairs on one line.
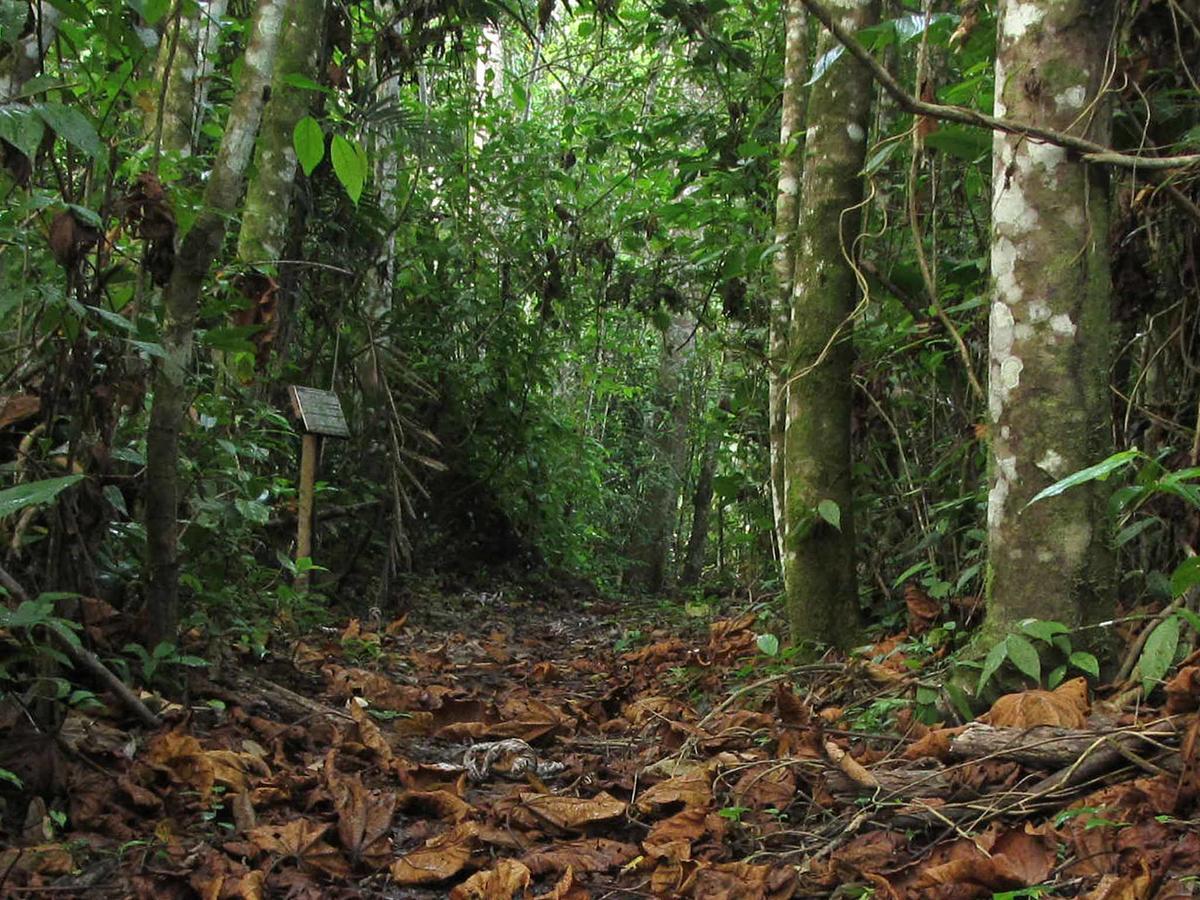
{"points": [[268, 205], [24, 60], [208, 42], [791, 130], [693, 560], [653, 534], [181, 301], [170, 128], [1050, 326], [819, 570]]}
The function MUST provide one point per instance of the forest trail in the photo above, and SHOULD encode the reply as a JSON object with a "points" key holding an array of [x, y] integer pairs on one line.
{"points": [[680, 760]]}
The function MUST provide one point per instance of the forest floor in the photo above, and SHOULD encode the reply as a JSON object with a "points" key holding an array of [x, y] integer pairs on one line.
{"points": [[500, 745]]}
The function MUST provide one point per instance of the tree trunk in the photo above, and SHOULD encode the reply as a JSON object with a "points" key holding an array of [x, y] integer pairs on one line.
{"points": [[693, 560], [1049, 336], [791, 156], [652, 538], [269, 194], [181, 301], [170, 128], [819, 571], [24, 60]]}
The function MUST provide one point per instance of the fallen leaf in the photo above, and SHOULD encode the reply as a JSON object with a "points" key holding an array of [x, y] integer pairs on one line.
{"points": [[1066, 706], [587, 855], [441, 858], [507, 878], [364, 820], [300, 839], [573, 813]]}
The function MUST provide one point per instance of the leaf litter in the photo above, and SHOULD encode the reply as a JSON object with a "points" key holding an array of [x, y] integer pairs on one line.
{"points": [[542, 759]]}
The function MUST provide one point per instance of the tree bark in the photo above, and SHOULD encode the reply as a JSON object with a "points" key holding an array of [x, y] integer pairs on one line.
{"points": [[819, 569], [693, 560], [24, 60], [1050, 328], [181, 301], [1048, 747], [652, 538], [791, 157], [269, 194]]}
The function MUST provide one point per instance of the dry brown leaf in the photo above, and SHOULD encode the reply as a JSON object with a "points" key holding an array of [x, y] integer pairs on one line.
{"points": [[934, 745], [1066, 706], [1183, 691], [364, 820], [739, 881], [693, 788], [16, 407], [767, 784], [1124, 887], [501, 883], [574, 813], [585, 855], [441, 858], [567, 889], [369, 734], [300, 839], [442, 804], [923, 610], [672, 838], [42, 859], [181, 756]]}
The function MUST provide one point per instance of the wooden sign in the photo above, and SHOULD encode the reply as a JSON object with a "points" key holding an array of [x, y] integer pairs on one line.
{"points": [[320, 412]]}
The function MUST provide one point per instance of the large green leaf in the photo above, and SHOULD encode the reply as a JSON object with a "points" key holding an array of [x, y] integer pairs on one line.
{"points": [[35, 493], [309, 141], [73, 126], [21, 127], [1024, 656], [350, 165], [1098, 472], [1159, 652], [1185, 576], [995, 659]]}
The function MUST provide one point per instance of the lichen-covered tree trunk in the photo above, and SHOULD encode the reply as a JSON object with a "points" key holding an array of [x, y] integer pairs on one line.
{"points": [[184, 63], [24, 59], [819, 569], [181, 303], [1049, 335], [268, 203], [667, 434], [791, 156], [170, 127]]}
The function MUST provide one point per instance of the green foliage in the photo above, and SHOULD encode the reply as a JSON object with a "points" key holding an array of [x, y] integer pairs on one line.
{"points": [[157, 665], [34, 493], [768, 645], [309, 142], [1053, 642]]}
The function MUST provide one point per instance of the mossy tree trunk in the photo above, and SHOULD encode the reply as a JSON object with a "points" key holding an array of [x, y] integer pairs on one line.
{"points": [[819, 568], [181, 301], [1050, 324], [667, 427], [791, 132], [269, 193]]}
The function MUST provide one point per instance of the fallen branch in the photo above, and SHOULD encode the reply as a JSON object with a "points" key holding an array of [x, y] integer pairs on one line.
{"points": [[88, 660], [1046, 747]]}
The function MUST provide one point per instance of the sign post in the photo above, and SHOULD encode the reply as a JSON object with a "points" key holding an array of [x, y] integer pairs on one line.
{"points": [[320, 414]]}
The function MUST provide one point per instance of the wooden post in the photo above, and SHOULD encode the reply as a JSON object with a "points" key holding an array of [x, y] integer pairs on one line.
{"points": [[320, 415], [309, 450]]}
